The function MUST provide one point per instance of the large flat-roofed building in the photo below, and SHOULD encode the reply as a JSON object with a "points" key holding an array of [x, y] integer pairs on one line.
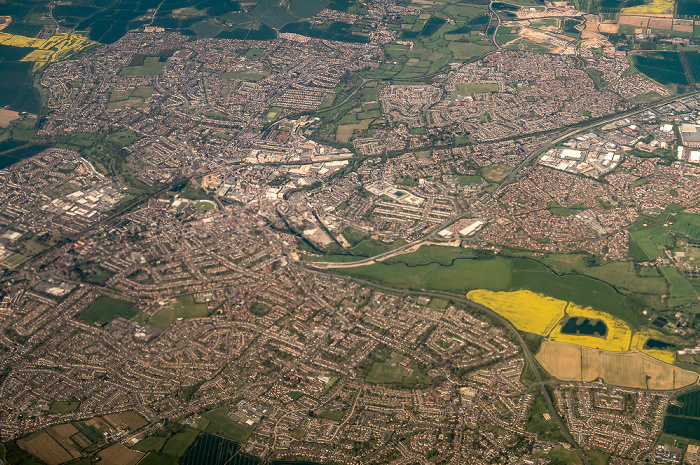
{"points": [[690, 135]]}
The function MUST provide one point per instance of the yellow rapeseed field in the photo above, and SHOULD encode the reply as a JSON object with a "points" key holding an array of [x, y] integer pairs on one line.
{"points": [[663, 355], [655, 7], [618, 337], [530, 312], [55, 48]]}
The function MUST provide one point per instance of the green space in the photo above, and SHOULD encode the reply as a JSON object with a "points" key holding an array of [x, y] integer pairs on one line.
{"points": [[247, 75], [648, 241], [64, 406], [150, 444], [222, 425], [205, 206], [151, 66], [470, 180], [259, 309], [178, 443], [184, 307], [464, 90], [153, 458], [680, 290], [335, 415], [458, 271], [663, 67], [383, 373], [105, 309], [545, 429]]}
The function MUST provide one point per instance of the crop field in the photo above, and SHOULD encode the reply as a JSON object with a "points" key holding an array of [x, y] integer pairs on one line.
{"points": [[158, 459], [151, 443], [680, 290], [682, 426], [56, 48], [652, 7], [213, 450], [117, 454], [46, 448], [571, 362], [129, 418], [105, 309], [663, 67], [530, 312]]}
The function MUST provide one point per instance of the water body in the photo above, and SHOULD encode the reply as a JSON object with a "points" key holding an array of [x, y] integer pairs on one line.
{"points": [[585, 327], [656, 344]]}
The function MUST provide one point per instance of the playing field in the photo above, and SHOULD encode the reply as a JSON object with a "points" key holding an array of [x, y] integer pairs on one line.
{"points": [[528, 311], [570, 362]]}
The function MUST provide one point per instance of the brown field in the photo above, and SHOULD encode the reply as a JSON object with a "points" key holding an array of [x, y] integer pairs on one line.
{"points": [[637, 21], [62, 441], [570, 362], [683, 25], [661, 23], [6, 117], [131, 419], [66, 430], [609, 28], [45, 448], [119, 455]]}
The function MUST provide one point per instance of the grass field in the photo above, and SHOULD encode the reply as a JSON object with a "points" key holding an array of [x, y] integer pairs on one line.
{"points": [[527, 311], [64, 407], [185, 307], [151, 66], [150, 444], [680, 290], [570, 362], [251, 76], [178, 443], [205, 206], [158, 459], [649, 240], [469, 89], [383, 373], [335, 415], [222, 425], [105, 309]]}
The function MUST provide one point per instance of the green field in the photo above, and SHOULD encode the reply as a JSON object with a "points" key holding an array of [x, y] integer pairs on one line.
{"points": [[205, 206], [64, 407], [469, 89], [178, 443], [153, 458], [649, 240], [252, 76], [687, 224], [151, 67], [185, 307], [335, 415], [151, 443], [470, 180], [455, 270], [680, 290], [106, 309], [383, 373], [222, 425]]}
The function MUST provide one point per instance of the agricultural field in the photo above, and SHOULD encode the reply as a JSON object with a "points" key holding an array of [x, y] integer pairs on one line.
{"points": [[527, 311], [680, 290], [213, 450], [151, 443], [652, 7], [571, 362], [106, 308], [47, 449], [178, 443], [663, 67], [117, 454]]}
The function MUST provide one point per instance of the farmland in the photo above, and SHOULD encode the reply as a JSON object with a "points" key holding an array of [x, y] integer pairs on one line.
{"points": [[528, 311], [652, 7], [618, 335], [663, 67], [570, 362]]}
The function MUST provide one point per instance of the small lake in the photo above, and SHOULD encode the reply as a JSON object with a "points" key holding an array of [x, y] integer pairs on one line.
{"points": [[585, 327]]}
